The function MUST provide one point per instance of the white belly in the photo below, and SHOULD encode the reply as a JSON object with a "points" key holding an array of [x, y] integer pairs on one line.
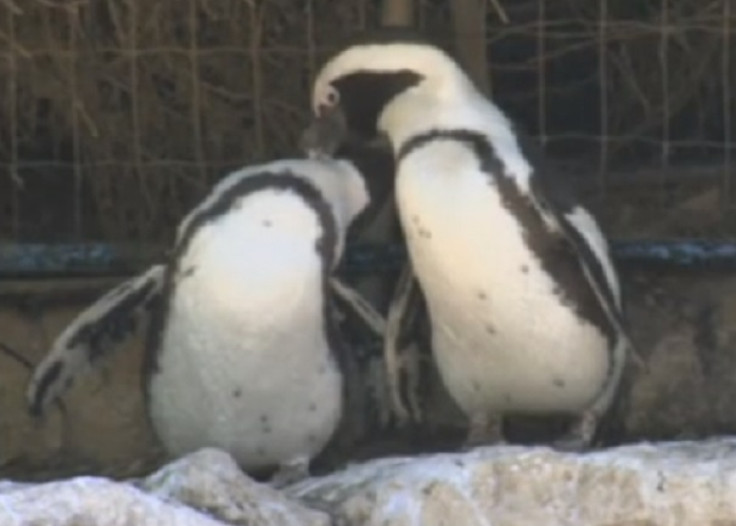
{"points": [[502, 339], [244, 364]]}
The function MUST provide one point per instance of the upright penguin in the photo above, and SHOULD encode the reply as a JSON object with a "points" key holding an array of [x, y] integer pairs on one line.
{"points": [[242, 345], [522, 295]]}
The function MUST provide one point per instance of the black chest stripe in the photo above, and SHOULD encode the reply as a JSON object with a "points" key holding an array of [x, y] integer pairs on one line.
{"points": [[251, 184], [561, 256], [284, 181], [588, 257]]}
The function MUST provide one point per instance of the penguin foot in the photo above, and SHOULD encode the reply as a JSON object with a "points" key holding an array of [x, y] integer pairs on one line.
{"points": [[484, 430], [290, 473], [580, 435]]}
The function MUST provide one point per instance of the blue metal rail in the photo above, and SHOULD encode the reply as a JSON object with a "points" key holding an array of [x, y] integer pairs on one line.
{"points": [[39, 260]]}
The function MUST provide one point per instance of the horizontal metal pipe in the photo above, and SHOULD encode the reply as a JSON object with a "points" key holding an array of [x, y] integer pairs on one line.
{"points": [[38, 260]]}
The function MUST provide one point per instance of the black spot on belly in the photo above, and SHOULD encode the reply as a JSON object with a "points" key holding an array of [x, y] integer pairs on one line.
{"points": [[266, 428], [312, 407], [264, 419], [237, 393], [482, 295], [267, 223], [426, 234], [559, 382], [490, 329], [311, 438], [525, 269], [476, 386], [261, 451]]}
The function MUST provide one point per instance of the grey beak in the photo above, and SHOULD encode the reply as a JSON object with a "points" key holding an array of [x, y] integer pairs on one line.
{"points": [[325, 134]]}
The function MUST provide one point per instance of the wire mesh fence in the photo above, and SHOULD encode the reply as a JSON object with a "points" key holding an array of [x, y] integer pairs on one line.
{"points": [[117, 115]]}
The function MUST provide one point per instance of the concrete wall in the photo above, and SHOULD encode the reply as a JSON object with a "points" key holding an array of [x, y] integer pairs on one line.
{"points": [[103, 429], [685, 326]]}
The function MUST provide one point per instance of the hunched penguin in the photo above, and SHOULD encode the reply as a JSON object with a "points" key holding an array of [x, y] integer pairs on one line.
{"points": [[523, 298], [243, 346]]}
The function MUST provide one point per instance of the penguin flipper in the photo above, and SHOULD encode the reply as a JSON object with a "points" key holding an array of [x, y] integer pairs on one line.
{"points": [[370, 316], [404, 359], [584, 236], [93, 334]]}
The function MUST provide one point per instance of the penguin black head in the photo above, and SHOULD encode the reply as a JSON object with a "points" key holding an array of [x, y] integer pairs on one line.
{"points": [[355, 87]]}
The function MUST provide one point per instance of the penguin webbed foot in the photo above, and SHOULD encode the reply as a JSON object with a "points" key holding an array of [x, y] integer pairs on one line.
{"points": [[290, 472], [579, 436], [484, 430]]}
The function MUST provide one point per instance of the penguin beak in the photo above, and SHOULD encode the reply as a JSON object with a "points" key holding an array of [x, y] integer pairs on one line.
{"points": [[325, 134]]}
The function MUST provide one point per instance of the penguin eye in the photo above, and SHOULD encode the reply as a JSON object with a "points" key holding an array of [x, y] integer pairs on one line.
{"points": [[332, 97]]}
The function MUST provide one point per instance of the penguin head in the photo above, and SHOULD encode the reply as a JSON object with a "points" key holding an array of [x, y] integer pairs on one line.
{"points": [[355, 90]]}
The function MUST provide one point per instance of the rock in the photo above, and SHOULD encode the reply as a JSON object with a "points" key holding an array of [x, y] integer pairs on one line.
{"points": [[210, 480], [91, 501], [205, 488], [668, 484]]}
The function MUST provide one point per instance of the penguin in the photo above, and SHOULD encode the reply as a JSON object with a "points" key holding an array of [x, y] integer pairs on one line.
{"points": [[522, 296], [243, 350]]}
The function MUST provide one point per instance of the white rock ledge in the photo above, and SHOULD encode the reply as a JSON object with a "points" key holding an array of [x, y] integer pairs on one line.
{"points": [[205, 488], [91, 501], [668, 484]]}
